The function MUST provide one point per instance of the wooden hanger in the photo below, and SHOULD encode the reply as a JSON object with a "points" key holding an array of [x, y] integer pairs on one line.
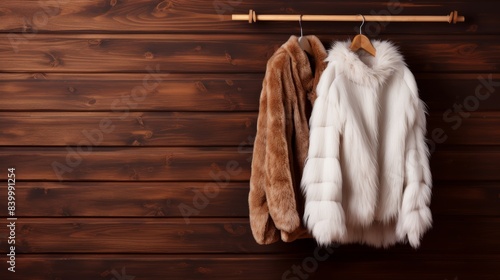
{"points": [[362, 42], [303, 42]]}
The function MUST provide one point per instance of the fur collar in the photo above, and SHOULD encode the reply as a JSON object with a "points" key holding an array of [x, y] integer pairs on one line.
{"points": [[308, 68], [364, 69], [300, 57]]}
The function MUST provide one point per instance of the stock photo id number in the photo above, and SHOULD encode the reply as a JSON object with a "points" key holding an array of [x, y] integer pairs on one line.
{"points": [[11, 219]]}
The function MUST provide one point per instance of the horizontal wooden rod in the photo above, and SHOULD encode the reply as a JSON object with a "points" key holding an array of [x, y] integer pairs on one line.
{"points": [[453, 17]]}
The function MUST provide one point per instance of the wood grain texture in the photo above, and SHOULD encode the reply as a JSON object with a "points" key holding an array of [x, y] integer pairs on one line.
{"points": [[229, 235], [128, 129], [196, 164], [117, 92], [204, 92], [201, 129], [338, 265], [442, 92], [214, 16], [467, 164], [128, 199], [128, 164], [462, 128], [148, 199], [466, 198], [221, 53]]}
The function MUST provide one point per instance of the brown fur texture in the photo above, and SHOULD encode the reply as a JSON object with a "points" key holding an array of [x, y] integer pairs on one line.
{"points": [[282, 141]]}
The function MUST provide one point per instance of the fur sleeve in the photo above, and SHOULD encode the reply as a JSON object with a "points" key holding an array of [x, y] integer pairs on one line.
{"points": [[271, 198], [322, 177], [415, 217], [279, 189]]}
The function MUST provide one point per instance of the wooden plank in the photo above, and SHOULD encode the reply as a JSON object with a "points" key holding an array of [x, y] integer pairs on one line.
{"points": [[128, 164], [137, 53], [466, 164], [443, 92], [377, 265], [214, 16], [465, 198], [116, 92], [204, 92], [160, 129], [196, 164], [229, 235], [465, 128], [235, 53], [201, 129], [128, 129], [129, 199]]}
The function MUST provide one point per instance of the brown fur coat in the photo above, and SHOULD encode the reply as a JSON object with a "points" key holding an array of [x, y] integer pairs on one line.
{"points": [[282, 141]]}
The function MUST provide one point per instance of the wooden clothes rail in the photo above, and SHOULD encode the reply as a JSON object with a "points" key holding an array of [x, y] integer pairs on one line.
{"points": [[252, 16]]}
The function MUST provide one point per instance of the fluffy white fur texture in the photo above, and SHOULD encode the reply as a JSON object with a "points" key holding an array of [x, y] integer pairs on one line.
{"points": [[367, 176]]}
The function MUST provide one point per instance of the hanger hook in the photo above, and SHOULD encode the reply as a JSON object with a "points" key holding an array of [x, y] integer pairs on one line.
{"points": [[363, 23], [300, 24]]}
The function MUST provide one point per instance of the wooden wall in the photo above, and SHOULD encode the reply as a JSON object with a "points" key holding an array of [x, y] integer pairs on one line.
{"points": [[147, 110]]}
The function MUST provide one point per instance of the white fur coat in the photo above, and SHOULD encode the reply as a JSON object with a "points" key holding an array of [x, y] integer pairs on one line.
{"points": [[367, 176]]}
